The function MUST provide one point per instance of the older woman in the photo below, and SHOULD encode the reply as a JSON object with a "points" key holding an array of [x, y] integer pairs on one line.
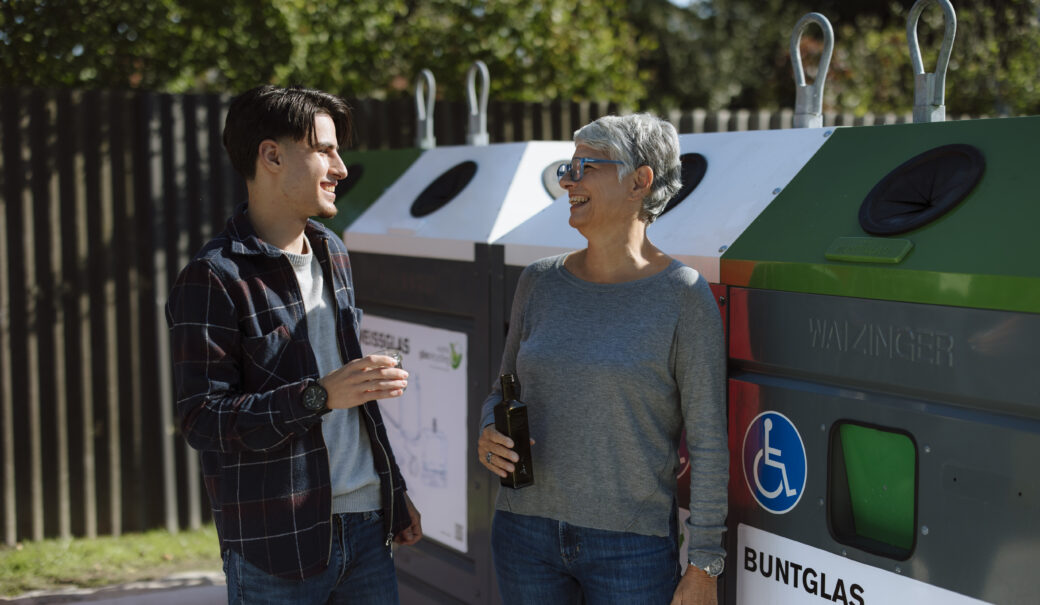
{"points": [[618, 348]]}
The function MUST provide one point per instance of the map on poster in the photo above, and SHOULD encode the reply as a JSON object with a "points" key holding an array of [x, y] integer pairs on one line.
{"points": [[427, 425]]}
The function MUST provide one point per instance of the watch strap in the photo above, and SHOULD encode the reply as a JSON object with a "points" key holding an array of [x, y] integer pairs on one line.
{"points": [[714, 568]]}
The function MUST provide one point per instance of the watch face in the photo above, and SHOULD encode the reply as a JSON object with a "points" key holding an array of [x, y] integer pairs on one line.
{"points": [[314, 397], [715, 568]]}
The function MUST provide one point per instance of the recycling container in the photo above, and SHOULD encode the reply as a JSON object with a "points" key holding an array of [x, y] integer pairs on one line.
{"points": [[425, 273], [883, 390]]}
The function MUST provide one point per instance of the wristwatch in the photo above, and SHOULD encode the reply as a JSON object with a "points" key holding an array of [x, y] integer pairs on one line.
{"points": [[713, 569], [315, 397]]}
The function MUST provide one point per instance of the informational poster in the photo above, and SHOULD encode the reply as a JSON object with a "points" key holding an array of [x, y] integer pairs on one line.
{"points": [[427, 425], [777, 570]]}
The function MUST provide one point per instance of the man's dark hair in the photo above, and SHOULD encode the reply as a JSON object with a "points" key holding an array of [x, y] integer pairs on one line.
{"points": [[270, 112]]}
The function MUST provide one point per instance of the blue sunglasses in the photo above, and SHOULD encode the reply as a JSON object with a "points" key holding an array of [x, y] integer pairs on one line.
{"points": [[576, 167]]}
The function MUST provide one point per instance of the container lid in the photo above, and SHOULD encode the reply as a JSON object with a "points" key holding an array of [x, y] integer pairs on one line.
{"points": [[453, 197], [966, 188], [737, 174]]}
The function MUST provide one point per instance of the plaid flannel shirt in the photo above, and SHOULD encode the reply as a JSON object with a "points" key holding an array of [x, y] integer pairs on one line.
{"points": [[241, 360]]}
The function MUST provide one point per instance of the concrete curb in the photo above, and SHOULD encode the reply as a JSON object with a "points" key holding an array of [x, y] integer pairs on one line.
{"points": [[197, 588]]}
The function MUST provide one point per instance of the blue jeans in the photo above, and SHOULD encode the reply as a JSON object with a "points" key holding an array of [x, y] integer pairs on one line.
{"points": [[361, 571], [540, 561]]}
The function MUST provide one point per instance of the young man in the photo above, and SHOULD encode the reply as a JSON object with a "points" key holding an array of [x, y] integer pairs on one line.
{"points": [[272, 389]]}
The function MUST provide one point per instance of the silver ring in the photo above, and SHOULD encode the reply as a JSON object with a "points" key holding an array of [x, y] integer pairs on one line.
{"points": [[488, 458]]}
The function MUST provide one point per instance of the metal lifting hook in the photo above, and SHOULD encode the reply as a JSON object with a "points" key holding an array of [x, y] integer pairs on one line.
{"points": [[929, 88], [808, 103], [424, 138], [477, 134]]}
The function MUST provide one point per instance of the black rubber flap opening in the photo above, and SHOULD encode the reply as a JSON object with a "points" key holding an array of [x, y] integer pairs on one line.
{"points": [[444, 189], [694, 165], [921, 189], [551, 182], [354, 174]]}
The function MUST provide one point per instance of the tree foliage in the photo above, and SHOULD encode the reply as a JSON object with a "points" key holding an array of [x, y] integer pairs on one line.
{"points": [[167, 45], [992, 69], [734, 53], [637, 53], [535, 50]]}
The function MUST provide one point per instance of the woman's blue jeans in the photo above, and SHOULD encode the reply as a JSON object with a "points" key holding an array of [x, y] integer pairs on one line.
{"points": [[361, 571], [540, 561]]}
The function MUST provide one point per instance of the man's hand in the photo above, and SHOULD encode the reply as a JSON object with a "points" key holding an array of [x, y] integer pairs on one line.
{"points": [[696, 588], [364, 379], [413, 533]]}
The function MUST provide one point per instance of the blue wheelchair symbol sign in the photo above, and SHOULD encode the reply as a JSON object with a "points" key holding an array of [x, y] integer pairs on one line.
{"points": [[774, 462]]}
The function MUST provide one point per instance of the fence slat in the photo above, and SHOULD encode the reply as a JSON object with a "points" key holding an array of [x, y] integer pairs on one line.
{"points": [[191, 240], [132, 398], [24, 337], [7, 446], [49, 324], [148, 184], [33, 126], [108, 246]]}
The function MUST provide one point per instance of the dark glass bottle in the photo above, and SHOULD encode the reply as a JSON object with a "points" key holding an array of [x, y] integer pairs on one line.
{"points": [[511, 420]]}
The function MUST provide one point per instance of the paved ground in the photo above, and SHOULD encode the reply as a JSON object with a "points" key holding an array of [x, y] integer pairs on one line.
{"points": [[188, 588]]}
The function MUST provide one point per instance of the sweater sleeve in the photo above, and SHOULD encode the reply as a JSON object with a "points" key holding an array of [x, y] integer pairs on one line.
{"points": [[516, 319], [700, 366]]}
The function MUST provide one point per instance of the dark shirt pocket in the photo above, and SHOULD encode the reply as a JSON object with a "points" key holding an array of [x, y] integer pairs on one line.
{"points": [[265, 364]]}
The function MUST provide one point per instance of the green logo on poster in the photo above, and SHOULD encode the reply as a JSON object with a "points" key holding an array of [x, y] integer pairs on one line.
{"points": [[456, 358]]}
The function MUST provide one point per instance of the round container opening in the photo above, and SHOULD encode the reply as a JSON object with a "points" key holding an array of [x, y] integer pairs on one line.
{"points": [[921, 189], [444, 189], [551, 182], [354, 174], [694, 165]]}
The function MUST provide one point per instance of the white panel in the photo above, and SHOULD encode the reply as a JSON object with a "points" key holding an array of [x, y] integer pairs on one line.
{"points": [[505, 191], [744, 169]]}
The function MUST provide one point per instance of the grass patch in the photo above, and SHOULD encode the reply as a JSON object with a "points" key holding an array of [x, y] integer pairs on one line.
{"points": [[56, 564]]}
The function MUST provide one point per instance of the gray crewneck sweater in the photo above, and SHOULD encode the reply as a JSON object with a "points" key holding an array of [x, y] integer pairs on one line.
{"points": [[612, 373], [355, 484]]}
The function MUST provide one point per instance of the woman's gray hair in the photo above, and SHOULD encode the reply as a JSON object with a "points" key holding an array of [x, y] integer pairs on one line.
{"points": [[638, 140]]}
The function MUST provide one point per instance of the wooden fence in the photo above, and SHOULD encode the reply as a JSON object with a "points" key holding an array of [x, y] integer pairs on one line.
{"points": [[103, 197]]}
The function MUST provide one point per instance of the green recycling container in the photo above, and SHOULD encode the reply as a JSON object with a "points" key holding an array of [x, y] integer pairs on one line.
{"points": [[884, 402]]}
